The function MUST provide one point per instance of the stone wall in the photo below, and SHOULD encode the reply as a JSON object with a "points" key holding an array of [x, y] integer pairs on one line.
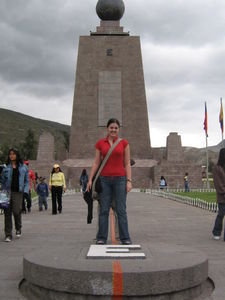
{"points": [[174, 174]]}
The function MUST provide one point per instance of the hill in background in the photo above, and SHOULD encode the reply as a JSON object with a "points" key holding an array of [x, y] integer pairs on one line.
{"points": [[14, 127], [198, 155]]}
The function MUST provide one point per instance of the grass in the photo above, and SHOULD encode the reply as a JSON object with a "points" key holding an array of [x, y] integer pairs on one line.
{"points": [[207, 196], [33, 194]]}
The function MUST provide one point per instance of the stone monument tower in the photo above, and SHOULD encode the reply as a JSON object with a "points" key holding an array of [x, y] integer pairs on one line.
{"points": [[109, 83]]}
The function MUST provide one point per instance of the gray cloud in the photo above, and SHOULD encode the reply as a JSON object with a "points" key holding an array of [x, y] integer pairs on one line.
{"points": [[193, 22]]}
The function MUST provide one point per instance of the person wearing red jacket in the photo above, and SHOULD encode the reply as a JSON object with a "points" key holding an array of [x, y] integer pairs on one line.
{"points": [[27, 196]]}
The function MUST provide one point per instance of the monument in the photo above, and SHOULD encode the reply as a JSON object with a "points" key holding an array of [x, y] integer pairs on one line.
{"points": [[109, 83], [45, 155], [46, 148], [173, 165]]}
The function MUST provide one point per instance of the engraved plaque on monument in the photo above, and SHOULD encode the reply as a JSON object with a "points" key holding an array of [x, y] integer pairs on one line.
{"points": [[109, 96]]}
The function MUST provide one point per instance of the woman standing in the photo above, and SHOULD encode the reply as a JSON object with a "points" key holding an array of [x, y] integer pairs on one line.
{"points": [[57, 186], [162, 183], [15, 179], [219, 183], [186, 183], [116, 182]]}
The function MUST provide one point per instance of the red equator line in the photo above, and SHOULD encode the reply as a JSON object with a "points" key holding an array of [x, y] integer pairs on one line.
{"points": [[117, 279]]}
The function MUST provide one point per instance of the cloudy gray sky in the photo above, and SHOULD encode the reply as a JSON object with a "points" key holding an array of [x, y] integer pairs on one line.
{"points": [[183, 49]]}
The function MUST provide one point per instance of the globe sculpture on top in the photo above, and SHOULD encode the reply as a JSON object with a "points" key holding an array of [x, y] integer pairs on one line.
{"points": [[110, 10]]}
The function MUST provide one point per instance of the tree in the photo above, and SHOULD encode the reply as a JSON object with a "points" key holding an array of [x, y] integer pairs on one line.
{"points": [[4, 153], [211, 166], [66, 140]]}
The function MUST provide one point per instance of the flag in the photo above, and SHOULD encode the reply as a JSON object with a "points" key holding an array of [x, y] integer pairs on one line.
{"points": [[221, 115], [206, 121]]}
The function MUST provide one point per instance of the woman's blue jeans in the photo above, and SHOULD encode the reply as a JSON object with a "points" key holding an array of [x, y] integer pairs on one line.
{"points": [[218, 227], [113, 188]]}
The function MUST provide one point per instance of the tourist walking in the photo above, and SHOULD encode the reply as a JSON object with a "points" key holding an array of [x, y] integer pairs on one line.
{"points": [[57, 185], [186, 183], [15, 180], [84, 180], [27, 199], [115, 180], [42, 191], [219, 183], [162, 183]]}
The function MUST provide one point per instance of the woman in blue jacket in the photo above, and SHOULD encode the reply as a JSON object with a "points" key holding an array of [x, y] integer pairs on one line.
{"points": [[15, 179]]}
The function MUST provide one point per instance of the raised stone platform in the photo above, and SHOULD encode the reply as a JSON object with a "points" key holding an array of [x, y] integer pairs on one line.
{"points": [[142, 171], [166, 273]]}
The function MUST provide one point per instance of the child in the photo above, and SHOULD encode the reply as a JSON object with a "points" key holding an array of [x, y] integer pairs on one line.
{"points": [[42, 191]]}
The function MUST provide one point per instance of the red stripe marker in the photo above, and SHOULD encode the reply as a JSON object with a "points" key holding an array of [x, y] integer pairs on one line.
{"points": [[117, 279]]}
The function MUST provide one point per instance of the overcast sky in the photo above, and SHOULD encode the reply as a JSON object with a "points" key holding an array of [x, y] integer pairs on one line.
{"points": [[183, 49]]}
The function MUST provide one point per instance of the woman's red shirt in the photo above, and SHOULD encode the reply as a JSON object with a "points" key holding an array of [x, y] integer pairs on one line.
{"points": [[115, 164]]}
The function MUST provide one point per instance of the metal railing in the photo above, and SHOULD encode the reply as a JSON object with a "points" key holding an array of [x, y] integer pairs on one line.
{"points": [[210, 206]]}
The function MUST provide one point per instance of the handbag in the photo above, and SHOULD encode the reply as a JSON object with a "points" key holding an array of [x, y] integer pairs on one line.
{"points": [[96, 186], [4, 199]]}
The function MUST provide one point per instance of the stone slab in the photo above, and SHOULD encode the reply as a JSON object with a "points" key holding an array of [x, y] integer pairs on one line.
{"points": [[115, 251], [166, 269]]}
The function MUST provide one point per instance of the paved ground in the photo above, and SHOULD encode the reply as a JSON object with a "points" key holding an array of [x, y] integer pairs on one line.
{"points": [[151, 219]]}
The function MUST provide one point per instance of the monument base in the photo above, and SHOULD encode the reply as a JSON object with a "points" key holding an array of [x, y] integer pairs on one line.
{"points": [[166, 273], [142, 171]]}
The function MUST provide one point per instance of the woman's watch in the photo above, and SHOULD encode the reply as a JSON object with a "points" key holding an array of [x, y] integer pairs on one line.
{"points": [[129, 180]]}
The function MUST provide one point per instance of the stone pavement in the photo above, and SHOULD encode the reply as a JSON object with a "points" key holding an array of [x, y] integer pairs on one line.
{"points": [[151, 219]]}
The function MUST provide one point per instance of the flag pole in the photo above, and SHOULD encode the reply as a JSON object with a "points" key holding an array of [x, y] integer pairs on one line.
{"points": [[206, 142], [221, 119], [207, 162]]}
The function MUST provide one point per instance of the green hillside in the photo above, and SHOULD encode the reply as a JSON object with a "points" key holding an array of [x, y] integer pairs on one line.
{"points": [[14, 126]]}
